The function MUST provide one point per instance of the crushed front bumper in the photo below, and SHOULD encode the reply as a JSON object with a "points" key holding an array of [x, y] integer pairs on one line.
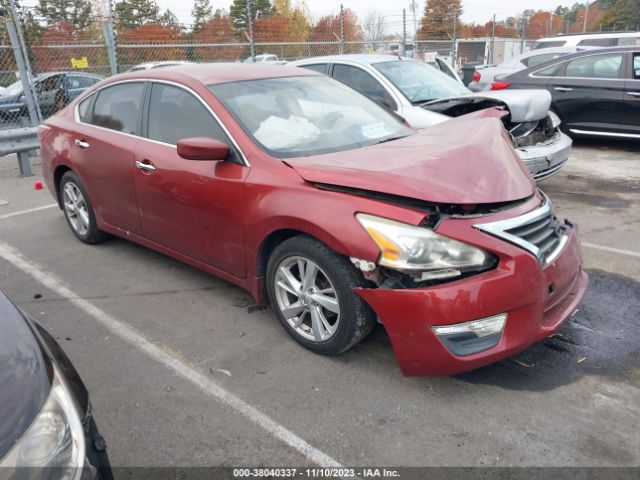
{"points": [[546, 159], [537, 301]]}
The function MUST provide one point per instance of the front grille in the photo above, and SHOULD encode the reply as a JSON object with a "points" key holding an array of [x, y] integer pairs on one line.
{"points": [[539, 232]]}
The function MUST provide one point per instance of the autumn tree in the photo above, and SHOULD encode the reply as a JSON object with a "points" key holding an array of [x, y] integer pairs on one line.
{"points": [[238, 12], [328, 30], [73, 12], [298, 16], [220, 30], [135, 13], [594, 18], [543, 24], [438, 18], [202, 12]]}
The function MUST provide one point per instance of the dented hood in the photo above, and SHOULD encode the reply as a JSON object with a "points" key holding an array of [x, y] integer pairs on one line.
{"points": [[524, 105], [466, 160]]}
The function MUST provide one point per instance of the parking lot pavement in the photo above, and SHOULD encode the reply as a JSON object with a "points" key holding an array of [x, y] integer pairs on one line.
{"points": [[569, 400]]}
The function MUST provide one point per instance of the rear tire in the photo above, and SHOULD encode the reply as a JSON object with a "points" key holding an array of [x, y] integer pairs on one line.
{"points": [[78, 210], [310, 288]]}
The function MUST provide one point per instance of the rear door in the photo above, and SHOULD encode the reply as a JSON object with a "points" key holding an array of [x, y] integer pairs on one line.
{"points": [[588, 92], [193, 207], [630, 118], [102, 150]]}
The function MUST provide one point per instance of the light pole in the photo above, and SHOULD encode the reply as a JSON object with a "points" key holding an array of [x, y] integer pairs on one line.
{"points": [[586, 14]]}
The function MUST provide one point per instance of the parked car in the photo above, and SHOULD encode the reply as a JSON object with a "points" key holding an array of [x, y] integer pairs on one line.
{"points": [[54, 91], [424, 97], [325, 204], [46, 426], [595, 93], [601, 39], [265, 58], [154, 65], [485, 74]]}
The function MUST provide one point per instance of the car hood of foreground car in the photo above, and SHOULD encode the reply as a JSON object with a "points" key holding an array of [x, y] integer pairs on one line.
{"points": [[524, 105], [466, 160], [24, 381]]}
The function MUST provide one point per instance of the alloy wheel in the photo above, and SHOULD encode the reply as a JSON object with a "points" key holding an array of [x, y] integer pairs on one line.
{"points": [[307, 299], [75, 208]]}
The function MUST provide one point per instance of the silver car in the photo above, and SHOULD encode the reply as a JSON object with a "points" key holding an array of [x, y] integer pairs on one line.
{"points": [[486, 74], [425, 96]]}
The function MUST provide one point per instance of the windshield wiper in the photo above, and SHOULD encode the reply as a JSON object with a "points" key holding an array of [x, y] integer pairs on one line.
{"points": [[391, 139]]}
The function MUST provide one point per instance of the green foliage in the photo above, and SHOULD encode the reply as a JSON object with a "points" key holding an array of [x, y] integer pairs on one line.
{"points": [[238, 12], [438, 18], [623, 14], [74, 12], [135, 13], [202, 12]]}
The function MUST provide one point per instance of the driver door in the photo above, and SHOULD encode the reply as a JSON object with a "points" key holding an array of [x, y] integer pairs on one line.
{"points": [[195, 208]]}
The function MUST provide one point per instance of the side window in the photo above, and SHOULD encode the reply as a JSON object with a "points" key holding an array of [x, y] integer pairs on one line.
{"points": [[49, 84], [595, 66], [83, 108], [598, 42], [540, 59], [80, 82], [318, 67], [364, 83], [118, 107], [551, 71], [636, 66], [175, 114], [444, 68]]}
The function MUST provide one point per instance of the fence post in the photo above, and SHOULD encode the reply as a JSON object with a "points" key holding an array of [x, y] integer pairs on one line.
{"points": [[522, 35], [341, 29], [24, 163], [454, 41], [111, 47], [493, 40], [404, 32], [252, 45]]}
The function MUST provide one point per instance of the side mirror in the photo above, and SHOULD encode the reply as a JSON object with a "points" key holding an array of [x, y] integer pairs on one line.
{"points": [[202, 148]]}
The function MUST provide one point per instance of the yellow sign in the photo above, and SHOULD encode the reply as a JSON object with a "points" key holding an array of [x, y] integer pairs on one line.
{"points": [[80, 62]]}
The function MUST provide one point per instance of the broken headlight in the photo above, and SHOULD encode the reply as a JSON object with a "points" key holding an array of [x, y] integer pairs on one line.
{"points": [[421, 251]]}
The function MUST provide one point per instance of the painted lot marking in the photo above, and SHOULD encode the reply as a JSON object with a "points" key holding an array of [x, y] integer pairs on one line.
{"points": [[25, 212], [51, 281], [611, 249]]}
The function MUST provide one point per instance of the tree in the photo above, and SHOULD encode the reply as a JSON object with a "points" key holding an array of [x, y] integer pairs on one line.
{"points": [[219, 29], [202, 12], [298, 17], [169, 19], [543, 24], [238, 12], [438, 18], [328, 30], [623, 14], [373, 28], [136, 13], [594, 18], [73, 12]]}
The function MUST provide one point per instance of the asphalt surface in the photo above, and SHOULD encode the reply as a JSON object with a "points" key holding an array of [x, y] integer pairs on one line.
{"points": [[571, 400]]}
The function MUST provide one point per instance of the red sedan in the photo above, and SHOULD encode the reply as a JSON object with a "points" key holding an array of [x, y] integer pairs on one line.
{"points": [[320, 202]]}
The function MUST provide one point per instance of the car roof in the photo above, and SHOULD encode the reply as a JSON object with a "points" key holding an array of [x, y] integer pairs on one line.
{"points": [[590, 36], [355, 58], [214, 73], [42, 76]]}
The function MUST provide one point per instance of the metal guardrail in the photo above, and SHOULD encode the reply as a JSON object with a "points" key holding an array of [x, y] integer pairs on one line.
{"points": [[20, 141]]}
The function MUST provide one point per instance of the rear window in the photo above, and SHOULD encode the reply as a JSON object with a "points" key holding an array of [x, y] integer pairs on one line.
{"points": [[118, 107], [595, 66], [540, 59]]}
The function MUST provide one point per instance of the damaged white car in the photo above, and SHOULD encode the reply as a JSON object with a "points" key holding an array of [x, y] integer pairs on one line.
{"points": [[425, 96]]}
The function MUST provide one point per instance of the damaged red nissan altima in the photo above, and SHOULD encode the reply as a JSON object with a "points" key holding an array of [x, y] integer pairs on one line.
{"points": [[323, 204]]}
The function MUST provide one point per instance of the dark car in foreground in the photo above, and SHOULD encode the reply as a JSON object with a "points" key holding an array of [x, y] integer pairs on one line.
{"points": [[54, 91], [595, 93], [46, 426], [324, 204]]}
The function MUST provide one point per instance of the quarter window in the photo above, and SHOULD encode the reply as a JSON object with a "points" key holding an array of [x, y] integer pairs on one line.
{"points": [[540, 59], [319, 67], [83, 108], [636, 66], [595, 66], [175, 114], [364, 83], [118, 107], [598, 42]]}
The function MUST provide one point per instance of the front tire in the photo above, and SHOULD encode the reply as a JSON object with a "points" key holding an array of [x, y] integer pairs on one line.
{"points": [[78, 210], [310, 288]]}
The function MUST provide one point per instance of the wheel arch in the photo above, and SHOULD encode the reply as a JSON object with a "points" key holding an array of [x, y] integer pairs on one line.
{"points": [[58, 172]]}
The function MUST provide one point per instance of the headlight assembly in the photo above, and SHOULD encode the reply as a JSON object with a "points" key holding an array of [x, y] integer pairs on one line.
{"points": [[54, 440], [417, 249]]}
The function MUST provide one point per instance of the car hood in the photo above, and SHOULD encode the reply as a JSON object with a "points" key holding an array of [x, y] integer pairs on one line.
{"points": [[524, 105], [24, 378], [466, 160]]}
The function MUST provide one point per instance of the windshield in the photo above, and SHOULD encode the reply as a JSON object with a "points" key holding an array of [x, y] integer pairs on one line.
{"points": [[420, 82], [310, 115], [13, 89]]}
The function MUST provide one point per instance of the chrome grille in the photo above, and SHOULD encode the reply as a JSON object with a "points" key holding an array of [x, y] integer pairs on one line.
{"points": [[539, 232]]}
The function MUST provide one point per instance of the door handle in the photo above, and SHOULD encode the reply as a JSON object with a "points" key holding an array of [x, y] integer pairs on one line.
{"points": [[147, 167], [563, 89], [634, 94], [82, 144]]}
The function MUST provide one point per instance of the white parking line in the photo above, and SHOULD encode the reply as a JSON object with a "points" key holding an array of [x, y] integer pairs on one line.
{"points": [[25, 212], [49, 280], [611, 249]]}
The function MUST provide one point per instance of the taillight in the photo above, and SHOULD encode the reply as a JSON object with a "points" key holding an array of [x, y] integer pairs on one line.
{"points": [[500, 85], [476, 76]]}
